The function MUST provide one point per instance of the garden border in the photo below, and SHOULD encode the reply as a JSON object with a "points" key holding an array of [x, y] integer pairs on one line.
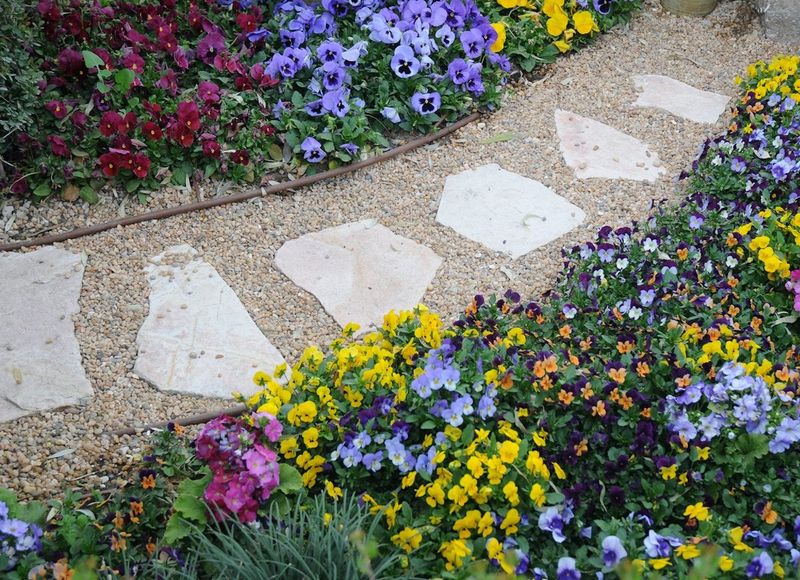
{"points": [[210, 203]]}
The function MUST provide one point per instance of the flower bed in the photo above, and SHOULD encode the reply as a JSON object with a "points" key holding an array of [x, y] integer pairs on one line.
{"points": [[641, 421], [534, 32], [145, 94]]}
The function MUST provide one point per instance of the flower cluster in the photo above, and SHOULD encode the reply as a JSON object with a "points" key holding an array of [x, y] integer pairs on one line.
{"points": [[533, 31], [244, 469], [736, 403], [18, 538]]}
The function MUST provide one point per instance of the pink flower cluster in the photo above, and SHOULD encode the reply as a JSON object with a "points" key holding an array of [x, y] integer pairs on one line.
{"points": [[244, 469], [793, 285]]}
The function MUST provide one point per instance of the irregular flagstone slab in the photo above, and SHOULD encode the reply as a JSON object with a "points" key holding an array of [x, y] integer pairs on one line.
{"points": [[505, 211], [359, 271], [679, 98], [593, 149], [781, 19], [198, 337], [40, 360]]}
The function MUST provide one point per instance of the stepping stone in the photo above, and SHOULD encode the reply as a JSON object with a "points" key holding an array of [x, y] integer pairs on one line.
{"points": [[593, 149], [679, 98], [40, 361], [781, 20], [198, 338], [504, 211], [359, 271]]}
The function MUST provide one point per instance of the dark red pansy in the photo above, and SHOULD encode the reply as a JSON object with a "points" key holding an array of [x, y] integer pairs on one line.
{"points": [[152, 131], [127, 124], [70, 62], [58, 109], [246, 22], [188, 115], [241, 157], [134, 62], [141, 165], [109, 123], [181, 134], [109, 164], [268, 130], [79, 119], [123, 143], [19, 184], [208, 91], [211, 149], [58, 146]]}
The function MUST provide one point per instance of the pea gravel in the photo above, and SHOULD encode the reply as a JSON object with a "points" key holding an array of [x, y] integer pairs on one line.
{"points": [[240, 240]]}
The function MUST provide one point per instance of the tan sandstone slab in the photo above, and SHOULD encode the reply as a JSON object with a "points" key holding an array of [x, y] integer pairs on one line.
{"points": [[198, 337], [40, 361], [359, 271], [593, 149], [680, 99], [505, 211]]}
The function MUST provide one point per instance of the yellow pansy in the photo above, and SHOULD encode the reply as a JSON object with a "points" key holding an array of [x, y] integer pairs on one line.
{"points": [[454, 553], [584, 22], [697, 511], [659, 563], [311, 437], [537, 494], [726, 563], [511, 492], [497, 46], [736, 535], [688, 551], [407, 539], [549, 7], [510, 522], [557, 24], [334, 492], [509, 451]]}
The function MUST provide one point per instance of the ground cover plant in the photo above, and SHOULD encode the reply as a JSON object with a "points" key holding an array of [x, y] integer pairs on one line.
{"points": [[641, 420], [142, 94]]}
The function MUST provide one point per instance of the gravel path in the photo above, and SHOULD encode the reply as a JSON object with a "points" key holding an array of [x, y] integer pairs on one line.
{"points": [[240, 241]]}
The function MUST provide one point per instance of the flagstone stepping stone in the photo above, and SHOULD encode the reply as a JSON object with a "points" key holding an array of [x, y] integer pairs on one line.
{"points": [[593, 149], [359, 271], [504, 211], [198, 337], [679, 98], [781, 20], [40, 360]]}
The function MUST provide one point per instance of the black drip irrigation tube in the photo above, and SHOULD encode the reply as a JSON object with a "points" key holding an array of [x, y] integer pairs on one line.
{"points": [[245, 195]]}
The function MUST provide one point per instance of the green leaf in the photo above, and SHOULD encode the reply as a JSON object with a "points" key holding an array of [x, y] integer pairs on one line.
{"points": [[191, 508], [290, 479], [123, 79], [88, 195], [9, 498], [194, 487], [32, 511], [178, 176], [275, 152], [428, 425], [499, 138], [91, 60], [43, 190], [132, 185], [177, 529]]}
